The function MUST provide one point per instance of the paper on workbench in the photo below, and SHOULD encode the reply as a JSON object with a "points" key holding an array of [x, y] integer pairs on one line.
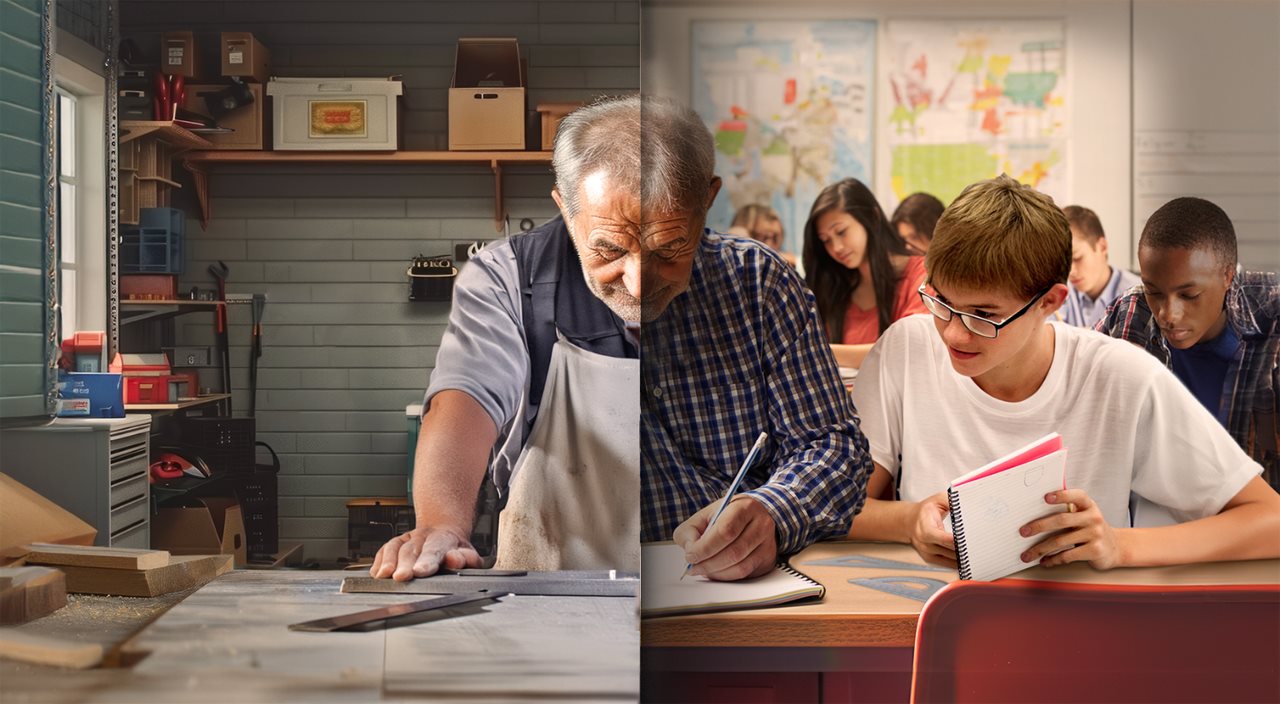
{"points": [[663, 593]]}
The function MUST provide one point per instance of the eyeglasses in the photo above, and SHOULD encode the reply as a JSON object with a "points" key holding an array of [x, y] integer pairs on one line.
{"points": [[975, 324]]}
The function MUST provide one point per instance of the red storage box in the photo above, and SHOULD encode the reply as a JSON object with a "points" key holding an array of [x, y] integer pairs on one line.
{"points": [[148, 287], [146, 389]]}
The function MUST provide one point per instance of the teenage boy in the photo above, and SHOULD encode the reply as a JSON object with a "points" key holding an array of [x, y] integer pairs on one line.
{"points": [[1216, 326], [1093, 283], [986, 374]]}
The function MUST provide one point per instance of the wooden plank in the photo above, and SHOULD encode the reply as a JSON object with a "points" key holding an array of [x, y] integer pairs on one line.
{"points": [[337, 157], [42, 650], [27, 593], [91, 556], [182, 572], [553, 648]]}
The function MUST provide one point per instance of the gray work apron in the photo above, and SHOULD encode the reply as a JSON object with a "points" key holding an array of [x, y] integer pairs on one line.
{"points": [[574, 500]]}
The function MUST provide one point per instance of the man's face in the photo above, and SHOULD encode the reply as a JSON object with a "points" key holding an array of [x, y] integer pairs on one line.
{"points": [[973, 355], [635, 262], [1089, 269], [1186, 289]]}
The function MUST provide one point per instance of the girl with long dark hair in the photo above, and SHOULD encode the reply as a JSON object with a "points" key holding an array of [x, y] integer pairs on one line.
{"points": [[859, 269]]}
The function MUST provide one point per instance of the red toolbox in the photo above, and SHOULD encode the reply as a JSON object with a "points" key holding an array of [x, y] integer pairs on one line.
{"points": [[146, 389]]}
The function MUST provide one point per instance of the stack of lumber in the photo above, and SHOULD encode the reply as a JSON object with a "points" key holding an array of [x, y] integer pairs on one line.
{"points": [[127, 572]]}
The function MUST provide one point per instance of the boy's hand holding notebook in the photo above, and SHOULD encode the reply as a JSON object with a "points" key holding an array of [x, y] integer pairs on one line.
{"points": [[990, 504]]}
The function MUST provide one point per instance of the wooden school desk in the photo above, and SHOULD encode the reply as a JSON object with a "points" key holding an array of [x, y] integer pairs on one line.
{"points": [[857, 643]]}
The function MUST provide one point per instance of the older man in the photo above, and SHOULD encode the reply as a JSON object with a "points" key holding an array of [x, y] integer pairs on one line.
{"points": [[732, 347], [537, 378]]}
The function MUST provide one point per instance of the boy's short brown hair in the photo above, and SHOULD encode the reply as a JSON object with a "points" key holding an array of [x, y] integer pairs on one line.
{"points": [[1086, 223], [1000, 234]]}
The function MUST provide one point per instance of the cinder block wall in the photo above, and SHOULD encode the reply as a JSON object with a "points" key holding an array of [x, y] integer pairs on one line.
{"points": [[344, 350]]}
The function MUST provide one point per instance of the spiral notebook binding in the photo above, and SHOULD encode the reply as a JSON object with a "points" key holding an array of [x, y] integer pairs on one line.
{"points": [[957, 528], [785, 567]]}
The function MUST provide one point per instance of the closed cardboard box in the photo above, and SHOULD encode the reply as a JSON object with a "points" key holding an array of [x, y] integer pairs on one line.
{"points": [[487, 95], [178, 54], [243, 56], [249, 121], [340, 113]]}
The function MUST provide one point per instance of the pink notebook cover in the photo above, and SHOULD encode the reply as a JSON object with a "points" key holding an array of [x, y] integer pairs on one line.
{"points": [[1040, 448]]}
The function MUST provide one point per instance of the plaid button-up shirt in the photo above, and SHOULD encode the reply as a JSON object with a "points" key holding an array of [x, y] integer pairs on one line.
{"points": [[1248, 408], [743, 351]]}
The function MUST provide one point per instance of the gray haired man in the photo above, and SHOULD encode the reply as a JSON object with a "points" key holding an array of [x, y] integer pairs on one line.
{"points": [[537, 377], [733, 348]]}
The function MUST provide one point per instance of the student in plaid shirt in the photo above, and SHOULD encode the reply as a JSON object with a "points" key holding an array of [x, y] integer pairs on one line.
{"points": [[732, 346], [1214, 325]]}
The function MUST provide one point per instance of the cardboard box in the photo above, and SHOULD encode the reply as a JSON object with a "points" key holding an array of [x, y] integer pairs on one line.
{"points": [[487, 96], [248, 121], [29, 517], [552, 114], [178, 54], [243, 56], [335, 114], [208, 526]]}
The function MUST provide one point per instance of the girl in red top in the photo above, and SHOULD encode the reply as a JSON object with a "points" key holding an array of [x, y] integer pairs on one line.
{"points": [[859, 269]]}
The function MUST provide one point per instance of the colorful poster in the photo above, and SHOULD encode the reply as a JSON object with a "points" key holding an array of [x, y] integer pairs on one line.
{"points": [[973, 99], [790, 105]]}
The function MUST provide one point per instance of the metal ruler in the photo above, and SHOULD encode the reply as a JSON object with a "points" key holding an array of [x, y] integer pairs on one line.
{"points": [[359, 618], [559, 583]]}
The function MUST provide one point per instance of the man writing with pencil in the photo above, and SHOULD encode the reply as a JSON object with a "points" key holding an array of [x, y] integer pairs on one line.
{"points": [[731, 348]]}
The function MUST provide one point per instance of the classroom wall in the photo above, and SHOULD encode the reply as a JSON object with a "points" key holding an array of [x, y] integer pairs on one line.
{"points": [[1097, 56], [1206, 114], [344, 349]]}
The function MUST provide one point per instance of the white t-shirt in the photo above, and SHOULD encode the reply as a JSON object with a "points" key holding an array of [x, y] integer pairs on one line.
{"points": [[1128, 425]]}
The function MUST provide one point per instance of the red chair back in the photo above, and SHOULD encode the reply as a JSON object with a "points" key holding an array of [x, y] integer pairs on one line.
{"points": [[1029, 641]]}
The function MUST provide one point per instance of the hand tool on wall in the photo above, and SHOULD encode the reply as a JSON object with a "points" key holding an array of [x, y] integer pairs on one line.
{"points": [[259, 306], [220, 272]]}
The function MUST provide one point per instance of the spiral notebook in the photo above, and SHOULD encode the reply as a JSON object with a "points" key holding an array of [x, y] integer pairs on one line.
{"points": [[663, 593], [990, 504]]}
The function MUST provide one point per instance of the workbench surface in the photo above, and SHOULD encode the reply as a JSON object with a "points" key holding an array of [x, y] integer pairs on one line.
{"points": [[229, 642]]}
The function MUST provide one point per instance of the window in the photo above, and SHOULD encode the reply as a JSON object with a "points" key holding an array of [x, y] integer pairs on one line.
{"points": [[82, 198], [68, 223]]}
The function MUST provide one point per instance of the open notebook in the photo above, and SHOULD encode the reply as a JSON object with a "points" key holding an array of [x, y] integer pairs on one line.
{"points": [[662, 593], [990, 504]]}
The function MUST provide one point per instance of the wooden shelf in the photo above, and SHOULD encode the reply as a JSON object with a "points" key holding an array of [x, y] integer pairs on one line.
{"points": [[167, 132], [181, 404], [199, 162]]}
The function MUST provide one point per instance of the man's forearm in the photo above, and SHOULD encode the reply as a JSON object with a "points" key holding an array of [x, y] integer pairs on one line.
{"points": [[1247, 532], [452, 456]]}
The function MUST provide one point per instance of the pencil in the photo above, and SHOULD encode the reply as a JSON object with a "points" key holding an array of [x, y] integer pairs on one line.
{"points": [[733, 488]]}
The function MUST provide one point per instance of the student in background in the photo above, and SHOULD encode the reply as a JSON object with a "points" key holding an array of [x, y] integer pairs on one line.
{"points": [[761, 223], [986, 374], [1094, 284], [1217, 327], [860, 272], [914, 220]]}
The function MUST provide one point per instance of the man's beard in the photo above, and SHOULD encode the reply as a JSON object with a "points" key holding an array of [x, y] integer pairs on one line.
{"points": [[628, 307]]}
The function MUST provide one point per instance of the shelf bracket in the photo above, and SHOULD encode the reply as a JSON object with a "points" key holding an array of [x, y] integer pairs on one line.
{"points": [[499, 212], [201, 176]]}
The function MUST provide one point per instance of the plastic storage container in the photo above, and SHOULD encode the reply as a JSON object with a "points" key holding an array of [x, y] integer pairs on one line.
{"points": [[335, 113]]}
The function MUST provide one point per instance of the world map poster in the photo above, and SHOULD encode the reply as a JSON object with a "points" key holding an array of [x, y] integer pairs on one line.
{"points": [[791, 107]]}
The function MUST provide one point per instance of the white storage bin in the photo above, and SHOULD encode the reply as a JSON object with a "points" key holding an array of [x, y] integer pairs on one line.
{"points": [[335, 113]]}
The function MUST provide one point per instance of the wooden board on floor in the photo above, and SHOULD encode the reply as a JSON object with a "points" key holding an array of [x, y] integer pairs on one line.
{"points": [[182, 572], [91, 556], [27, 593], [43, 650]]}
